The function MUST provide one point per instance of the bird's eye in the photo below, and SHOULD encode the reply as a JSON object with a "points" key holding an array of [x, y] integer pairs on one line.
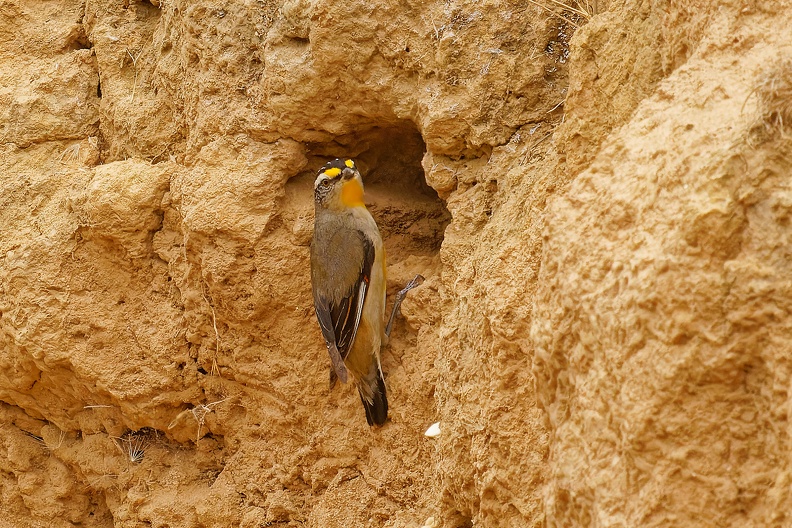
{"points": [[325, 183]]}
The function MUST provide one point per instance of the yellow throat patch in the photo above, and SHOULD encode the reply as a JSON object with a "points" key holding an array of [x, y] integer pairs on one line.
{"points": [[352, 193]]}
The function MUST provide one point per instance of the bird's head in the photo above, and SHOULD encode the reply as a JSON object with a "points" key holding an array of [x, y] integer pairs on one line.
{"points": [[338, 186]]}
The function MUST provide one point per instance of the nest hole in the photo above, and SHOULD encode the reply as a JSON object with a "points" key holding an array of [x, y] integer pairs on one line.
{"points": [[411, 216]]}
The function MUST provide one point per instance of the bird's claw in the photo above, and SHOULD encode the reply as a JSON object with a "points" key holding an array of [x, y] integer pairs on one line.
{"points": [[417, 281]]}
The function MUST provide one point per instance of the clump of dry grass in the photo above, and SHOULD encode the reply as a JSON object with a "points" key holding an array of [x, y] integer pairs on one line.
{"points": [[774, 92], [575, 12], [773, 97], [133, 446]]}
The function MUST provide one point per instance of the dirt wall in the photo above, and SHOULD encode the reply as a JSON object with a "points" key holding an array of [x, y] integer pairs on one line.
{"points": [[597, 200]]}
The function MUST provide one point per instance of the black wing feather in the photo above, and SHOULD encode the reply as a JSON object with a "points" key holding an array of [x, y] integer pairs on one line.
{"points": [[326, 324]]}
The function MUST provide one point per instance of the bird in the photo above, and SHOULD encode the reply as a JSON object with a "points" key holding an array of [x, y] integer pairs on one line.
{"points": [[348, 280]]}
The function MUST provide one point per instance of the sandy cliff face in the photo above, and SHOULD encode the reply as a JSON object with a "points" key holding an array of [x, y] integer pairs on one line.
{"points": [[603, 224]]}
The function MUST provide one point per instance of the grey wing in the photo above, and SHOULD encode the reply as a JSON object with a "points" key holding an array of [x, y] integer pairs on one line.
{"points": [[340, 321]]}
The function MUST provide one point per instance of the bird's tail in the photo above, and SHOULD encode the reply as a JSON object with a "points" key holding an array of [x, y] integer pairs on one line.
{"points": [[377, 406]]}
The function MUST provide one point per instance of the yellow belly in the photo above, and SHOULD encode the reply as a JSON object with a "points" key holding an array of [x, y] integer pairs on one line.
{"points": [[364, 351], [363, 359]]}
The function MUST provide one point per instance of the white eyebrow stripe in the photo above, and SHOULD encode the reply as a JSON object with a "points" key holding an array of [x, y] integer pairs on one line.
{"points": [[319, 179]]}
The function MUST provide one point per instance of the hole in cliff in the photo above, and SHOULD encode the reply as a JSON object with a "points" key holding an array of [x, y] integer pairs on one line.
{"points": [[76, 39], [411, 216]]}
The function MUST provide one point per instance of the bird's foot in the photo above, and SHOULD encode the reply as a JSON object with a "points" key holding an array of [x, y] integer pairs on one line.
{"points": [[417, 281]]}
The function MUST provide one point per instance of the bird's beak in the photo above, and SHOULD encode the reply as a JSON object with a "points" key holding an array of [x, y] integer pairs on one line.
{"points": [[347, 174]]}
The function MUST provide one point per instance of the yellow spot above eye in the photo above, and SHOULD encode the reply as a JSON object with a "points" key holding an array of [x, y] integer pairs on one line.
{"points": [[352, 194], [332, 172], [350, 164]]}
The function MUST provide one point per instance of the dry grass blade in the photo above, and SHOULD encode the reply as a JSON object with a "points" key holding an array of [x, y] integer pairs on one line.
{"points": [[40, 440], [134, 59], [199, 413], [215, 370]]}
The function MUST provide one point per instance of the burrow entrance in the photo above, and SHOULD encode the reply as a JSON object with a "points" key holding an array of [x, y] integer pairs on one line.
{"points": [[410, 215]]}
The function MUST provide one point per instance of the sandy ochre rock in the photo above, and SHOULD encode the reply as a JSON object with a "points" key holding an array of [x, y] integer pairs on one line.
{"points": [[598, 195]]}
